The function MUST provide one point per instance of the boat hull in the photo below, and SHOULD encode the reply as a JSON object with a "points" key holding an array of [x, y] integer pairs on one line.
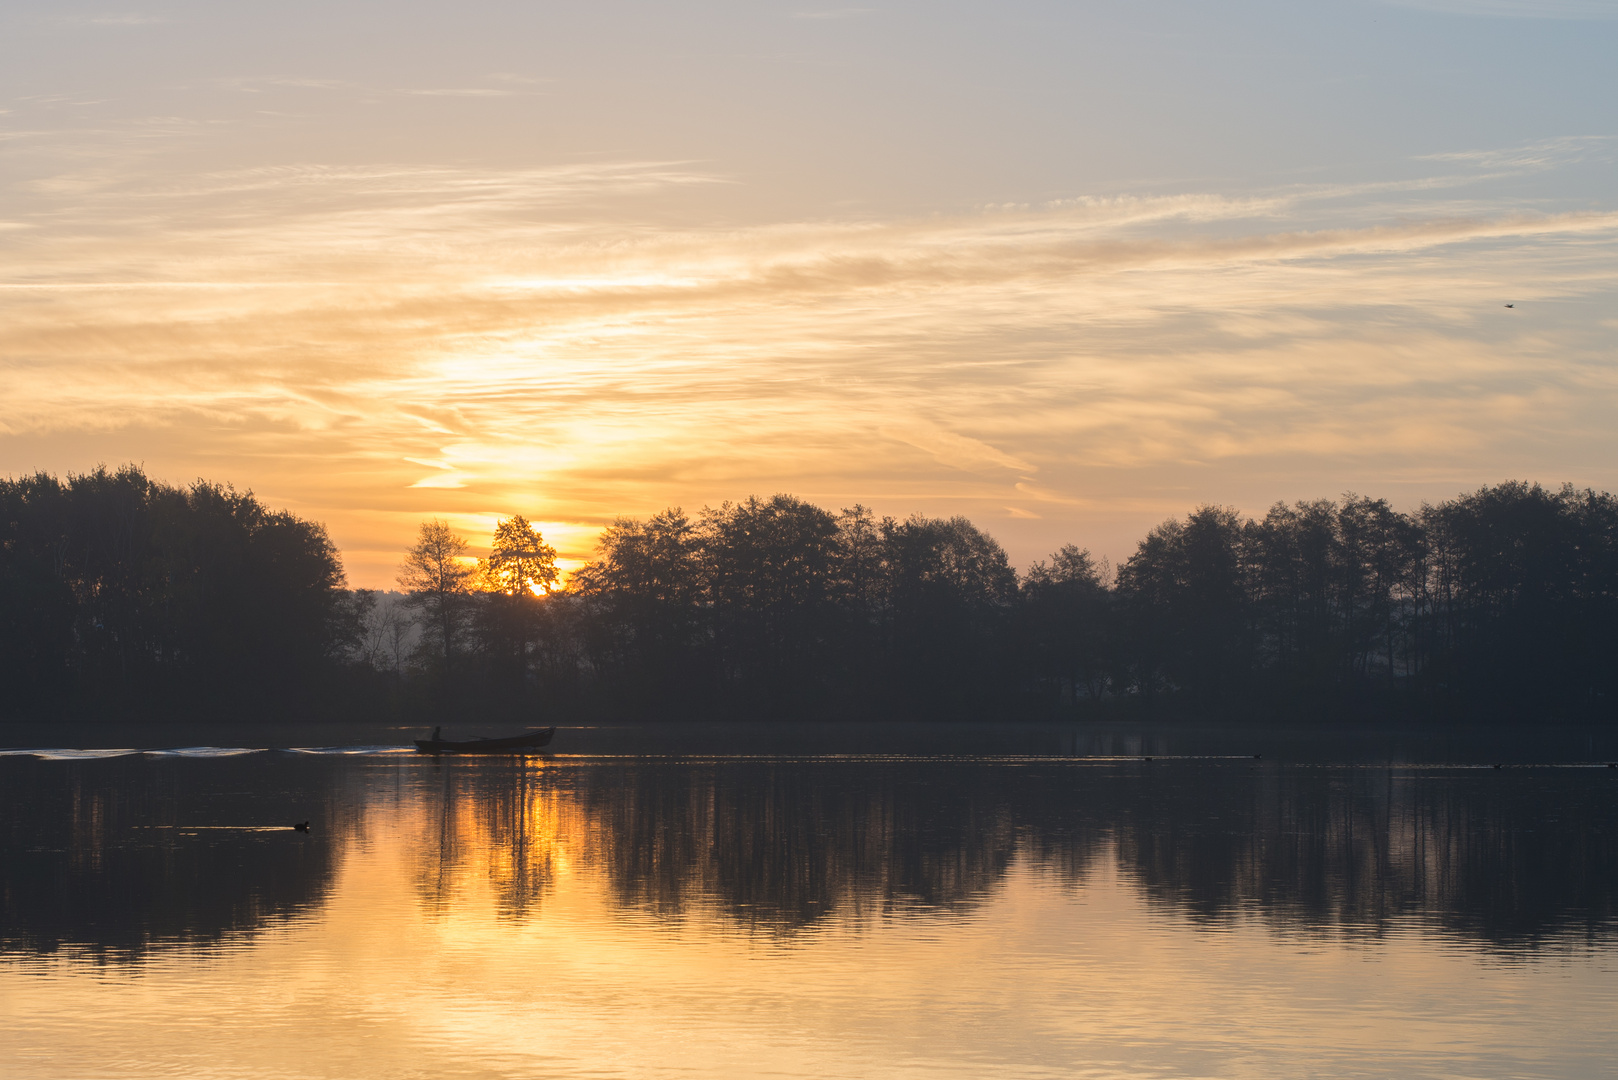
{"points": [[531, 743]]}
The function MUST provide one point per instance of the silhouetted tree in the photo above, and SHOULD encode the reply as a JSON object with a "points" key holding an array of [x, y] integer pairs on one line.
{"points": [[861, 648], [520, 562], [1524, 595], [39, 652], [438, 576], [142, 598], [770, 570], [516, 577], [1186, 596], [646, 616], [952, 591], [122, 595], [1067, 627]]}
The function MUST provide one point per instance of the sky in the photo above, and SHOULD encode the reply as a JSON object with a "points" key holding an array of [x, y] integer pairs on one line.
{"points": [[1067, 269]]}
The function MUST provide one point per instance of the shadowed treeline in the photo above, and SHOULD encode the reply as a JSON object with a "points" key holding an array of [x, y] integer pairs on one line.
{"points": [[1502, 603], [120, 596]]}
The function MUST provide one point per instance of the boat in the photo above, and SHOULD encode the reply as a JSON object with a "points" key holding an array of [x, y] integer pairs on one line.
{"points": [[515, 744]]}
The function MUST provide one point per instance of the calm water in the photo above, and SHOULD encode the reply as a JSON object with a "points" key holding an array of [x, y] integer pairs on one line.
{"points": [[878, 914]]}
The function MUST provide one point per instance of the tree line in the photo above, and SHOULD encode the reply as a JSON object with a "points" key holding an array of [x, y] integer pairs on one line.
{"points": [[122, 596], [1500, 603]]}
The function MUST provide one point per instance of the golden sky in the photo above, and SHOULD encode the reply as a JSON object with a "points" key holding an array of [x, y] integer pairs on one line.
{"points": [[374, 292]]}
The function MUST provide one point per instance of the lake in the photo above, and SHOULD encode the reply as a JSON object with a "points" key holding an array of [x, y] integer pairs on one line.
{"points": [[1037, 901]]}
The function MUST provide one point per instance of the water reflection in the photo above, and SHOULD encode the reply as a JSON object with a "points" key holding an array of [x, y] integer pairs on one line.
{"points": [[120, 857], [1502, 857], [131, 855], [781, 846], [1507, 858], [500, 823]]}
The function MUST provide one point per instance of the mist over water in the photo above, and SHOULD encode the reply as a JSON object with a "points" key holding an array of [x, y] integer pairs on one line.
{"points": [[1065, 909]]}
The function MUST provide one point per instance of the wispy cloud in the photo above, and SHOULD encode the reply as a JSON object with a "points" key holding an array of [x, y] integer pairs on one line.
{"points": [[519, 79], [463, 91], [1539, 156], [1517, 9], [254, 84], [953, 449], [374, 345], [118, 18], [511, 86], [834, 13]]}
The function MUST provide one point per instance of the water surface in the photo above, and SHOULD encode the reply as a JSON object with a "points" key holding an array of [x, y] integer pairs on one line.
{"points": [[874, 914]]}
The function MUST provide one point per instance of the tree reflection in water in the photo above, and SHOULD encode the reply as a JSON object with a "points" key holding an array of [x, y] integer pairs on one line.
{"points": [[121, 857], [500, 821], [1506, 858], [785, 845], [775, 846]]}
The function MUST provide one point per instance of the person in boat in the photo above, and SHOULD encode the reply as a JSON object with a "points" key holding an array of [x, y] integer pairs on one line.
{"points": [[436, 730]]}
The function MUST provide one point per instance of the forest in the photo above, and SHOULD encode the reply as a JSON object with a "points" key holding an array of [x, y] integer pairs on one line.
{"points": [[123, 597]]}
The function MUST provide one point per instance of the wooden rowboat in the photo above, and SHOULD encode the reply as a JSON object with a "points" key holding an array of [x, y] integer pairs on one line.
{"points": [[515, 744]]}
